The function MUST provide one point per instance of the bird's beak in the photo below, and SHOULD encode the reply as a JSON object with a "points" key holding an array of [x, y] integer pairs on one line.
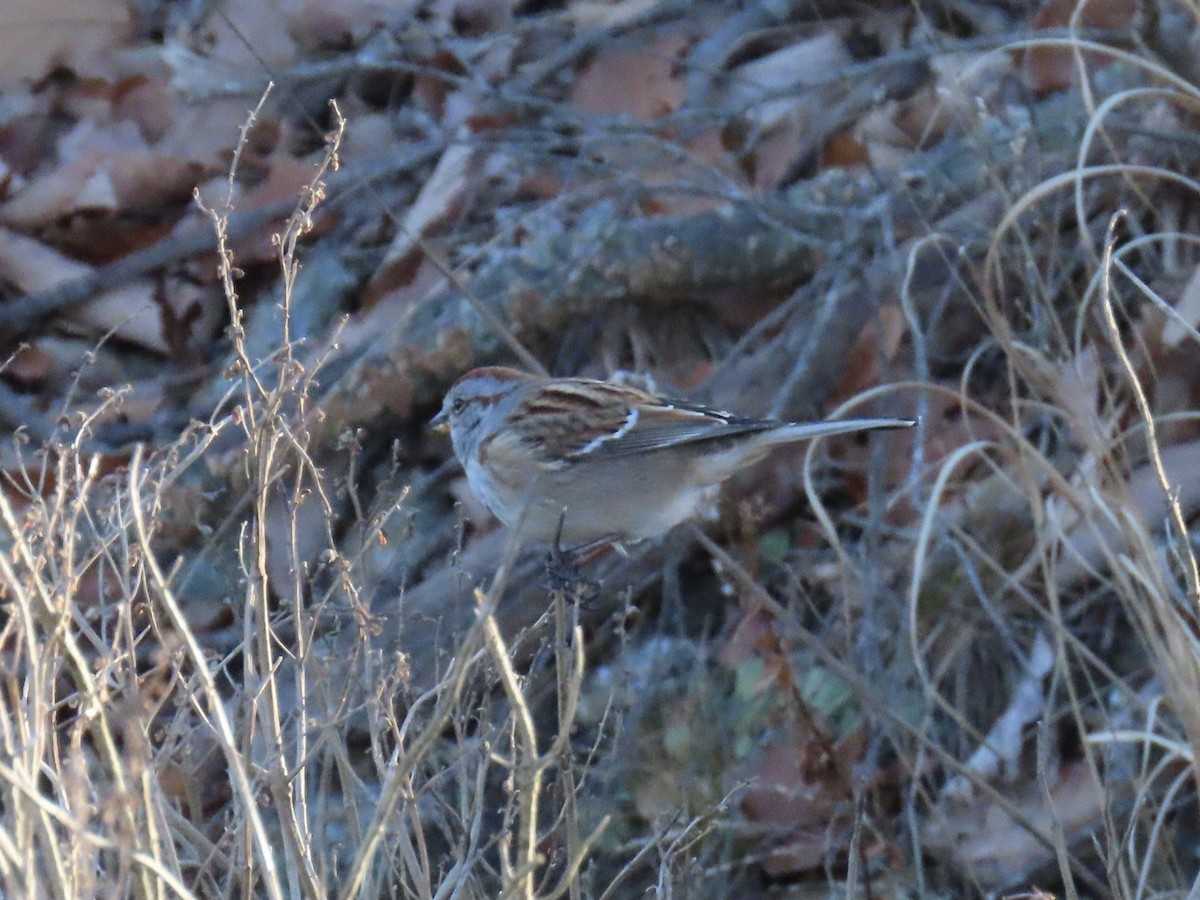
{"points": [[440, 423]]}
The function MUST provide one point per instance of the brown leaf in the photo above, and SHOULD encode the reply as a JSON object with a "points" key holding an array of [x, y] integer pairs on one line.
{"points": [[1188, 309], [103, 182], [769, 95], [37, 36], [864, 365], [984, 840], [644, 84], [475, 17], [147, 102], [29, 365], [321, 25], [1053, 68], [1091, 535], [249, 36], [800, 795], [441, 201], [129, 312], [845, 150]]}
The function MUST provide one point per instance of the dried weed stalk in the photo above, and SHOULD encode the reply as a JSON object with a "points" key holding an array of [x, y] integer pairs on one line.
{"points": [[139, 762]]}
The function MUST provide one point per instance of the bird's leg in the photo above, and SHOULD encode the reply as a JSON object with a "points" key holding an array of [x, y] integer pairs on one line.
{"points": [[563, 565]]}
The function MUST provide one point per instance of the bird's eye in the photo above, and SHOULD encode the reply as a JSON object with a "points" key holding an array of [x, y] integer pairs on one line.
{"points": [[458, 405]]}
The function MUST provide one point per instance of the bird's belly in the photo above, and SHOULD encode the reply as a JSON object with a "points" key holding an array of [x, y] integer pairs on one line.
{"points": [[627, 499], [632, 502]]}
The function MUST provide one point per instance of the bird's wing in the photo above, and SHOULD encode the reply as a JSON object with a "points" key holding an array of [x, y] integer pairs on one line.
{"points": [[657, 424], [569, 420]]}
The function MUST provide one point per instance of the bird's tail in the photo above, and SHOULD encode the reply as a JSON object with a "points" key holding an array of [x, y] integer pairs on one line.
{"points": [[806, 431]]}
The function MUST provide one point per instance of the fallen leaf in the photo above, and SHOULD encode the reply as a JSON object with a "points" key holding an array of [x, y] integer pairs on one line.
{"points": [[979, 837], [441, 201], [768, 94], [29, 365], [129, 312], [321, 25], [1091, 535], [37, 36], [643, 84], [1187, 310], [135, 181], [1055, 67], [1000, 752], [877, 343], [848, 149], [250, 36], [800, 796], [472, 18], [586, 14]]}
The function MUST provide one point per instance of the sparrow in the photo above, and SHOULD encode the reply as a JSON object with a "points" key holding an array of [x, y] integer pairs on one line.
{"points": [[582, 460]]}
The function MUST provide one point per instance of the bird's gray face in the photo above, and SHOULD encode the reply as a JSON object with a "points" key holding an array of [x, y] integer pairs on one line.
{"points": [[463, 414], [474, 407]]}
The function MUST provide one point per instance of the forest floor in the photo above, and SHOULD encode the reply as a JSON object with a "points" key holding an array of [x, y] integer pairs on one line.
{"points": [[259, 639]]}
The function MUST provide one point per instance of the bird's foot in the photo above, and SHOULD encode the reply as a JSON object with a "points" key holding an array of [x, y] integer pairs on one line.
{"points": [[564, 565]]}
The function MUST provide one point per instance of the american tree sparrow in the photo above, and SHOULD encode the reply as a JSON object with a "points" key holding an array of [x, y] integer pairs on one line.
{"points": [[607, 461]]}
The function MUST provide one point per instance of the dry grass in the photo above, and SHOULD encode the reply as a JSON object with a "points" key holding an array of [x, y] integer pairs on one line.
{"points": [[140, 763]]}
